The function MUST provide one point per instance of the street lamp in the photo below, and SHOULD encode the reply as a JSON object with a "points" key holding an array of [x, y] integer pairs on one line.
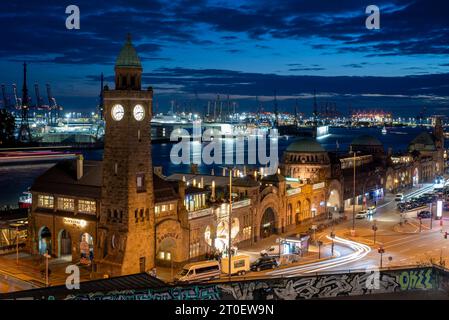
{"points": [[381, 251], [374, 230], [320, 243], [353, 187], [47, 256], [231, 171], [332, 247]]}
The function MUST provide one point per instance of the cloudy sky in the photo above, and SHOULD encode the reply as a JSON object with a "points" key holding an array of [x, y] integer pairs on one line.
{"points": [[242, 49]]}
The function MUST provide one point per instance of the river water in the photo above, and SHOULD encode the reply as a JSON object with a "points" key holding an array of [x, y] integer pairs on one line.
{"points": [[15, 179]]}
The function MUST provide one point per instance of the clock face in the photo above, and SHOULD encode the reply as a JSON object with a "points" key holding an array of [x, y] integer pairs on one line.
{"points": [[139, 112], [117, 112]]}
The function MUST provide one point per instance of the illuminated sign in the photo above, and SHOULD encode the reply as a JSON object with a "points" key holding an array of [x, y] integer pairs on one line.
{"points": [[293, 191], [318, 185], [75, 222]]}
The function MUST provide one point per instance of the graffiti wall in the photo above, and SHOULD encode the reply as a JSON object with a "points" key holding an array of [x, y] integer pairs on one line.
{"points": [[306, 287], [321, 286]]}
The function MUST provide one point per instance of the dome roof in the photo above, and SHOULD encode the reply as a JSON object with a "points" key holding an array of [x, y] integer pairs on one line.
{"points": [[305, 145], [274, 178], [246, 181], [366, 140], [423, 142], [128, 56]]}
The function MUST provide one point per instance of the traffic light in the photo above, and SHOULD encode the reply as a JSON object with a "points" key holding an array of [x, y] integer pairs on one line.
{"points": [[445, 235]]}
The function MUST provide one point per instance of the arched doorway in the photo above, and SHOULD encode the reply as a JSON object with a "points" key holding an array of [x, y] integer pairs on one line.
{"points": [[86, 249], [64, 245], [298, 213], [306, 213], [289, 214], [415, 177], [267, 224], [44, 240], [166, 250], [333, 202], [221, 242], [390, 183], [208, 236]]}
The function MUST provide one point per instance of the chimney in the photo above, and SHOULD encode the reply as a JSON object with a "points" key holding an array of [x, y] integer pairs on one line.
{"points": [[79, 166]]}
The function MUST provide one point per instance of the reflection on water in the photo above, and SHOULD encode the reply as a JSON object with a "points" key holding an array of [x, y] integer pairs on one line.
{"points": [[16, 179]]}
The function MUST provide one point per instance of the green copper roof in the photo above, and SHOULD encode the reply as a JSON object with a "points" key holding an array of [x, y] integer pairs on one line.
{"points": [[423, 142], [305, 144], [128, 56]]}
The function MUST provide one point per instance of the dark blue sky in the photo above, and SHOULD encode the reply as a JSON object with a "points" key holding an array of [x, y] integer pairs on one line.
{"points": [[241, 48]]}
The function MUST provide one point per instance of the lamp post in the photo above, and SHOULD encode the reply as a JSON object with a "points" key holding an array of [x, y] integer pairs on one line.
{"points": [[230, 224], [47, 256], [431, 216], [320, 243], [17, 244], [332, 247], [353, 191], [374, 230], [381, 251]]}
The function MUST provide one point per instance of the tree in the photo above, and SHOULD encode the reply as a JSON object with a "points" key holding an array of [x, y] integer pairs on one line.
{"points": [[7, 128]]}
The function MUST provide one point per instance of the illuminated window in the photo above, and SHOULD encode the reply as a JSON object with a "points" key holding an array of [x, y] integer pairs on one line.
{"points": [[172, 206], [66, 204], [164, 255], [194, 249], [157, 209], [246, 233], [45, 201], [87, 206], [164, 208], [140, 181]]}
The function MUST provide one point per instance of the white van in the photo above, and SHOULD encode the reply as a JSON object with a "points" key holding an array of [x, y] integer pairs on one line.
{"points": [[399, 197], [239, 265], [199, 271]]}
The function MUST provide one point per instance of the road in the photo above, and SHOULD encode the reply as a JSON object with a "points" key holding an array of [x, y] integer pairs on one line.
{"points": [[402, 247], [10, 284]]}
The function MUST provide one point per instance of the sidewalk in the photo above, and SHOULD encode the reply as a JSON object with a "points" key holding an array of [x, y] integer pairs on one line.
{"points": [[30, 267]]}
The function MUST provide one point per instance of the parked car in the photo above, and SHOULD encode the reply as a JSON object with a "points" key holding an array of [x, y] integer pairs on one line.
{"points": [[361, 214], [399, 197], [264, 263], [424, 214], [199, 271], [271, 251]]}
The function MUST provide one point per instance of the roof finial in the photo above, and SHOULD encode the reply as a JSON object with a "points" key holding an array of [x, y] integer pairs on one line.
{"points": [[128, 37]]}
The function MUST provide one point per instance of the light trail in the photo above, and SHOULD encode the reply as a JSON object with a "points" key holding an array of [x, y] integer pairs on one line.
{"points": [[360, 251]]}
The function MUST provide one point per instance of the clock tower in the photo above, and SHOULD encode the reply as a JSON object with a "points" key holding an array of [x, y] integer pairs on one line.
{"points": [[126, 238]]}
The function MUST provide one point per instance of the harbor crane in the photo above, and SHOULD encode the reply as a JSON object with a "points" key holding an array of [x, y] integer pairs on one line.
{"points": [[17, 100], [53, 106]]}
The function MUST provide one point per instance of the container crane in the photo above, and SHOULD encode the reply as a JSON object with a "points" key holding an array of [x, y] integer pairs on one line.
{"points": [[53, 107], [17, 100]]}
